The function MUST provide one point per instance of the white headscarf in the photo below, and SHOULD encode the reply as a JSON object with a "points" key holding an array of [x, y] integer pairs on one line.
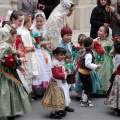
{"points": [[38, 13], [55, 22], [9, 12], [61, 10], [110, 34], [4, 33]]}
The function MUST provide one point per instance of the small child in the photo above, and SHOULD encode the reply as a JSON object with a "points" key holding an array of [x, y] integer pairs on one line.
{"points": [[30, 56], [105, 41], [66, 34], [56, 97], [78, 85], [40, 83], [11, 87], [86, 65], [113, 94]]}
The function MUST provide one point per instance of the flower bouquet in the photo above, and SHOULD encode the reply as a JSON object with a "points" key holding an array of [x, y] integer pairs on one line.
{"points": [[97, 48], [69, 64], [10, 60], [99, 52]]}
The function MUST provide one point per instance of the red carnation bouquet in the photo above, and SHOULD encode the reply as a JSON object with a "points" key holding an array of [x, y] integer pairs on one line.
{"points": [[97, 48], [38, 39], [10, 59], [116, 39]]}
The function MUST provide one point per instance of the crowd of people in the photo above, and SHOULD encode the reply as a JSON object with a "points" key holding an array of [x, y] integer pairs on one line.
{"points": [[38, 58]]}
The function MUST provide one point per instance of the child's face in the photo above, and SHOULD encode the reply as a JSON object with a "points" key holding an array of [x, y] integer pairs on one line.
{"points": [[39, 22], [60, 56], [18, 22], [70, 11], [67, 38], [101, 32], [12, 38], [29, 23], [103, 2], [81, 41]]}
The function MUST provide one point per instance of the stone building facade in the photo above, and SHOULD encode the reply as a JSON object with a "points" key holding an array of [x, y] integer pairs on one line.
{"points": [[79, 21]]}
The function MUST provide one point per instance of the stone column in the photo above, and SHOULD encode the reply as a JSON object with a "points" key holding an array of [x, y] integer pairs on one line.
{"points": [[5, 5]]}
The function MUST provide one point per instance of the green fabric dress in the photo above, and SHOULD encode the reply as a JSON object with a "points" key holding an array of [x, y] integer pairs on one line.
{"points": [[105, 71], [13, 97]]}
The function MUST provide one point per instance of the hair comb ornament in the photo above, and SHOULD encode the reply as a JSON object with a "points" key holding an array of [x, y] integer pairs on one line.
{"points": [[66, 4]]}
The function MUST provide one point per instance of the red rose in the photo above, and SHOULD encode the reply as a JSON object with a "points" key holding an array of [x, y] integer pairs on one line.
{"points": [[18, 41], [38, 38], [9, 61], [97, 48], [116, 39]]}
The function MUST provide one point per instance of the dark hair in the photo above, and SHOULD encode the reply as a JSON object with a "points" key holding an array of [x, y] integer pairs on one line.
{"points": [[26, 19], [13, 31], [15, 14], [83, 36], [66, 30], [72, 5], [117, 47], [7, 22], [59, 50], [88, 42], [106, 30], [98, 2]]}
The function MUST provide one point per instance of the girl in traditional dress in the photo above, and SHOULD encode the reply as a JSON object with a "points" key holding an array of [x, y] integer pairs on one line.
{"points": [[13, 97], [105, 40], [57, 96], [78, 85], [44, 59], [18, 19], [30, 56], [113, 94]]}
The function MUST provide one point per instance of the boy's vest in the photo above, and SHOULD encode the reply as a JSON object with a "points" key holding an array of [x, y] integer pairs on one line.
{"points": [[83, 69]]}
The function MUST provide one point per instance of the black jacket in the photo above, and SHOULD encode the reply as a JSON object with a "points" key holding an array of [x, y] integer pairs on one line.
{"points": [[97, 20], [49, 6]]}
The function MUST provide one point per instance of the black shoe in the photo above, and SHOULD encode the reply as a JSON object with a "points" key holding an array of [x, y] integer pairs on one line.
{"points": [[78, 98], [55, 116], [11, 118], [62, 113], [68, 109]]}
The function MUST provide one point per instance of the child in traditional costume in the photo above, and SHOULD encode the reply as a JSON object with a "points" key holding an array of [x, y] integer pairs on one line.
{"points": [[78, 85], [66, 34], [40, 82], [105, 40], [30, 56], [56, 97], [13, 97], [113, 94], [87, 63]]}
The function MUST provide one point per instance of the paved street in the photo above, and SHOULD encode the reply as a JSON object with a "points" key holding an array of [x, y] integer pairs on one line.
{"points": [[98, 112]]}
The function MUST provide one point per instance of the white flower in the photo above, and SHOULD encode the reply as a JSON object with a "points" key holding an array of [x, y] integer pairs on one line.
{"points": [[11, 60], [6, 55]]}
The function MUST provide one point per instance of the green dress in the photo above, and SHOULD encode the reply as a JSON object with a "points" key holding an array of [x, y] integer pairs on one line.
{"points": [[105, 71], [13, 97]]}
